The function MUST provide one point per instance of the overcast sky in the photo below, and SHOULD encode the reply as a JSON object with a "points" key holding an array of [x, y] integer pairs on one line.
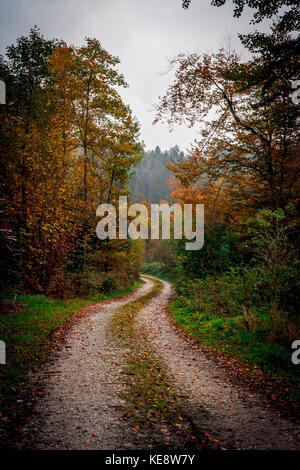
{"points": [[143, 33]]}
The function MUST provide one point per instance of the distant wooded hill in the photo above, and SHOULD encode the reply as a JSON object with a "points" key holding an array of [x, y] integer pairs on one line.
{"points": [[150, 179]]}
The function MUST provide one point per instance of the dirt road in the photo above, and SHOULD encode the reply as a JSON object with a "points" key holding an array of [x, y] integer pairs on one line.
{"points": [[82, 405]]}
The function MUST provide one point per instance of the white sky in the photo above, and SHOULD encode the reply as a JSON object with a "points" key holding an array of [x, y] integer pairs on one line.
{"points": [[143, 33]]}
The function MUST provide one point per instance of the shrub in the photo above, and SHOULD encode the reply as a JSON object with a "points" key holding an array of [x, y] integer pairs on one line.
{"points": [[108, 284]]}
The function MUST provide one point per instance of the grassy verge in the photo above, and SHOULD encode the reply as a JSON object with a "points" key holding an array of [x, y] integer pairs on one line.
{"points": [[28, 332], [267, 365], [215, 314], [155, 411]]}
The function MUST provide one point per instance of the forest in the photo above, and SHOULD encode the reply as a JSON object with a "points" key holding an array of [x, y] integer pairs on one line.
{"points": [[69, 143], [152, 180]]}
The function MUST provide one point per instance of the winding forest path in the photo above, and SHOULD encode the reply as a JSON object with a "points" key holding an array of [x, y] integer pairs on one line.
{"points": [[82, 404]]}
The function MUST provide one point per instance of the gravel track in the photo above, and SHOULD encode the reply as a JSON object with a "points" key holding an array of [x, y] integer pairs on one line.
{"points": [[82, 407]]}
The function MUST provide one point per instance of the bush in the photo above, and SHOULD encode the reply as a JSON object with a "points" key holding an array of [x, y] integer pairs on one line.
{"points": [[221, 250], [108, 285], [159, 270], [263, 299]]}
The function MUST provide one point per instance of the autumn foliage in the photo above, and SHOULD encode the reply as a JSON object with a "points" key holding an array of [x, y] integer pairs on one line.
{"points": [[67, 142]]}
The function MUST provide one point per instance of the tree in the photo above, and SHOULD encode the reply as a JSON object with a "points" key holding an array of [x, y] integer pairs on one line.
{"points": [[33, 176], [250, 136], [150, 178], [279, 55], [68, 143], [105, 132], [24, 72], [289, 19]]}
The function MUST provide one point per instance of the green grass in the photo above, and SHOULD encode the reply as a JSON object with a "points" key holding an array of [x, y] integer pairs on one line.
{"points": [[252, 349], [28, 334]]}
